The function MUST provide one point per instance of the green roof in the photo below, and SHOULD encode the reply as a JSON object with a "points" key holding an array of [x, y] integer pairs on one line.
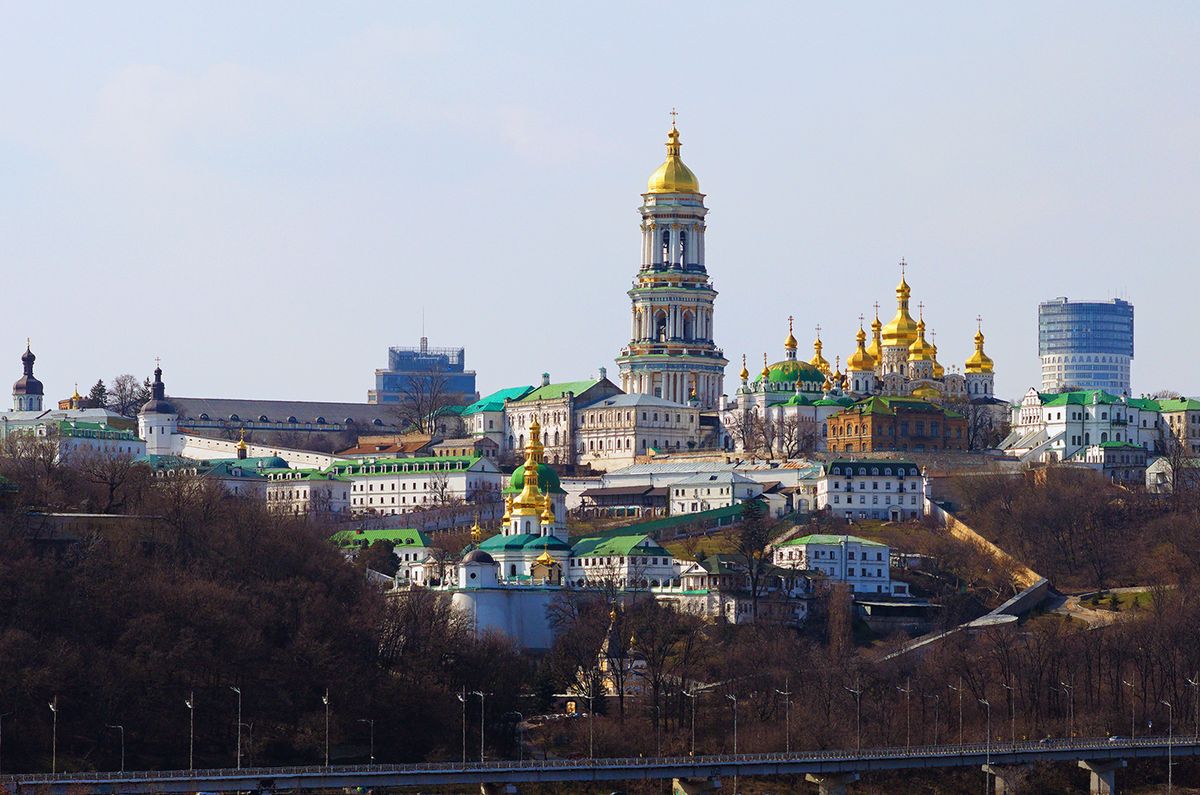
{"points": [[400, 537], [1177, 404], [547, 480], [828, 538], [359, 467], [95, 430], [555, 391], [887, 406], [1080, 398], [495, 401], [716, 516], [789, 371], [501, 542], [616, 543], [1121, 444]]}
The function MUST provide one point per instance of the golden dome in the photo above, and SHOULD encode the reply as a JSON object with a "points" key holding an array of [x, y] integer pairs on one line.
{"points": [[938, 370], [673, 176], [744, 374], [529, 500], [547, 516], [901, 330], [818, 361], [920, 350], [861, 361], [979, 362], [876, 346], [546, 559], [766, 371], [790, 343], [241, 445]]}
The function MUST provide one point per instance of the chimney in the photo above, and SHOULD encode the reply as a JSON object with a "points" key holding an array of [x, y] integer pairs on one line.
{"points": [[603, 373], [545, 379]]}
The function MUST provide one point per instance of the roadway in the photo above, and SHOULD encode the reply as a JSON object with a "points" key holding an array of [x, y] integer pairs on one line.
{"points": [[601, 770]]}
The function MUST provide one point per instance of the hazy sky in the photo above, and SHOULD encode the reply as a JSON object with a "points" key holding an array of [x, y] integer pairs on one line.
{"points": [[266, 195]]}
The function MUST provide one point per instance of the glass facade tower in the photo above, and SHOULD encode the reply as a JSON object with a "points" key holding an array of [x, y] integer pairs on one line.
{"points": [[424, 371], [1086, 345]]}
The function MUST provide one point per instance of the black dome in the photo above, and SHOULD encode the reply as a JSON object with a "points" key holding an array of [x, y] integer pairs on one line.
{"points": [[478, 556], [27, 384]]}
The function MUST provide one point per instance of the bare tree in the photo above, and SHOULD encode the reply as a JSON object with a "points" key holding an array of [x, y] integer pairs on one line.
{"points": [[422, 399], [797, 437], [127, 395], [753, 536], [119, 477]]}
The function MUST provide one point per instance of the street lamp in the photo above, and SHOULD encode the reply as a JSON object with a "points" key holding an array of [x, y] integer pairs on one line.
{"points": [[122, 730], [462, 697], [238, 690], [733, 698], [54, 737], [482, 696], [325, 701], [1012, 709], [1070, 691], [857, 693], [591, 697], [787, 714], [191, 705], [959, 690], [1170, 742], [1132, 711], [693, 697], [907, 691], [1195, 685], [370, 721], [988, 740]]}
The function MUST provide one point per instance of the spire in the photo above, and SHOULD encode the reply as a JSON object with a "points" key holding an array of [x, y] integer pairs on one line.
{"points": [[979, 362], [876, 346], [673, 176], [818, 361], [744, 374], [901, 331], [242, 447], [529, 501], [766, 371]]}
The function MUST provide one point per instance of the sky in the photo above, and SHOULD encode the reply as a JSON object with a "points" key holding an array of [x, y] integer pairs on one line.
{"points": [[268, 195]]}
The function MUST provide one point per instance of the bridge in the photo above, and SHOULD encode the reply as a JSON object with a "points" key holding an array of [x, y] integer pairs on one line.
{"points": [[831, 771]]}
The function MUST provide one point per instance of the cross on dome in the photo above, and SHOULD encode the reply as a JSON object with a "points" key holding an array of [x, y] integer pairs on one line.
{"points": [[674, 113]]}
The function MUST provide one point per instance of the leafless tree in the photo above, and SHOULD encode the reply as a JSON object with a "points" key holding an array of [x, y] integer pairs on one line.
{"points": [[743, 427], [797, 437], [753, 536], [422, 400], [119, 478], [127, 395]]}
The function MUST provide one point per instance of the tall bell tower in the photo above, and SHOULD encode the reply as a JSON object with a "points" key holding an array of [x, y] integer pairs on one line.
{"points": [[671, 353]]}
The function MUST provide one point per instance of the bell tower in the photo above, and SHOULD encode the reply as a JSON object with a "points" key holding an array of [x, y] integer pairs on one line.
{"points": [[671, 349]]}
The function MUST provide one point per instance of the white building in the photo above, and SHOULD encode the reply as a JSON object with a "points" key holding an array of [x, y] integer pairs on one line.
{"points": [[299, 492], [398, 485], [624, 562], [872, 489], [612, 432], [1056, 426], [858, 562], [707, 492], [554, 407]]}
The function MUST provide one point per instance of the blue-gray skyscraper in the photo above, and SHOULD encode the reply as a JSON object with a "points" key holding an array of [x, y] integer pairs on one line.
{"points": [[424, 375], [1085, 344]]}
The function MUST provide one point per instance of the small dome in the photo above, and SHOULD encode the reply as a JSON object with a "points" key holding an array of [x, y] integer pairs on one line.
{"points": [[861, 360], [979, 362], [27, 384], [479, 556], [673, 176]]}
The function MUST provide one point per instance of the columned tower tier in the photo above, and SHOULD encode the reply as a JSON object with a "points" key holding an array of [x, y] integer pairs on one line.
{"points": [[671, 352]]}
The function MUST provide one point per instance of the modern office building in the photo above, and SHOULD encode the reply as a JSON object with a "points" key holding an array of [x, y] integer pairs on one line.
{"points": [[1085, 345], [424, 369]]}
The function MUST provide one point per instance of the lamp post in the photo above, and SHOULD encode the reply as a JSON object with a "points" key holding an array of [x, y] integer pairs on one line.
{"points": [[733, 698], [54, 737], [325, 701], [238, 690], [907, 691], [1195, 685], [693, 697], [1132, 711], [121, 729], [988, 741], [857, 693], [371, 722], [462, 697], [959, 690], [520, 719], [1070, 691], [787, 714], [482, 725], [191, 705], [657, 730], [1012, 709], [1170, 742], [2, 717]]}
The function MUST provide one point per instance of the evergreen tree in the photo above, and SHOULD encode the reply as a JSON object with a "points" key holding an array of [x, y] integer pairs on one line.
{"points": [[99, 394]]}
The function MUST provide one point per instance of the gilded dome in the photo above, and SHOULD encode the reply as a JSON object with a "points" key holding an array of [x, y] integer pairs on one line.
{"points": [[745, 373], [818, 361], [902, 329], [920, 350], [876, 346], [926, 392], [673, 176], [979, 362], [861, 361], [790, 343]]}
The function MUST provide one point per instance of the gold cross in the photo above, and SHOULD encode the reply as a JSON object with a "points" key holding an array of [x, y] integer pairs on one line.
{"points": [[790, 319], [157, 361], [903, 266], [818, 332], [674, 113]]}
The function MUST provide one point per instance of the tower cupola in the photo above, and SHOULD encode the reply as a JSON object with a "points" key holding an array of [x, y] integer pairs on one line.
{"points": [[27, 391]]}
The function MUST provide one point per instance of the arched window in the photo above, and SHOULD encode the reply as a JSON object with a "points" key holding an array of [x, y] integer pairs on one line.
{"points": [[689, 326]]}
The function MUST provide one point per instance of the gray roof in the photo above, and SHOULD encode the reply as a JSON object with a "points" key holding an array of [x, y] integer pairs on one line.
{"points": [[635, 401], [675, 468], [363, 414], [714, 477]]}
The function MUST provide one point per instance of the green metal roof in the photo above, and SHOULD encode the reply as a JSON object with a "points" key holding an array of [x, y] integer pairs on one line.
{"points": [[555, 391], [1080, 398], [829, 539], [399, 537], [495, 401], [621, 544], [547, 480], [457, 463], [1178, 404], [501, 542]]}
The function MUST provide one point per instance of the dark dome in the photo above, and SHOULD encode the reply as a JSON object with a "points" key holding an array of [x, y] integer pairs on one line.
{"points": [[27, 384], [478, 556], [157, 404]]}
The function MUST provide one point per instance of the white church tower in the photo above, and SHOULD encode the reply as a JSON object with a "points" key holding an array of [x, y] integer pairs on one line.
{"points": [[671, 351], [157, 420]]}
